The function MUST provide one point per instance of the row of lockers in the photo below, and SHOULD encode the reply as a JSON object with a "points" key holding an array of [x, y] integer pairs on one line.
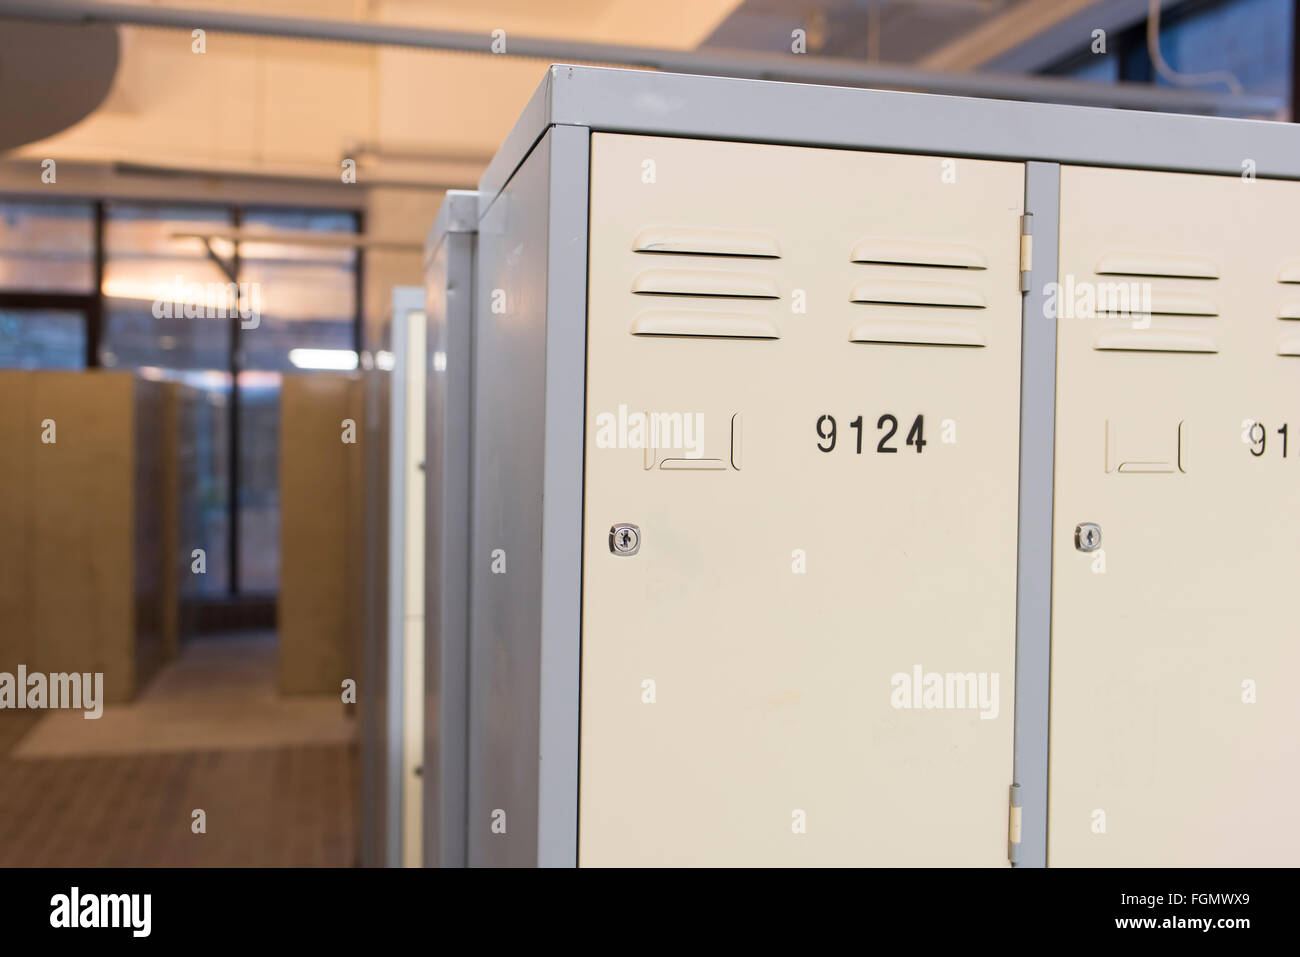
{"points": [[966, 538]]}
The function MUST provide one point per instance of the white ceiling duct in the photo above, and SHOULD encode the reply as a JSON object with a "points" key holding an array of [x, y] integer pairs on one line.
{"points": [[39, 94]]}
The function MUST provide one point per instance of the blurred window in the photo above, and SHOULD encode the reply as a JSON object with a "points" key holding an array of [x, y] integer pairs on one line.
{"points": [[172, 312], [47, 247], [161, 295], [306, 294], [39, 338], [1251, 39], [1096, 67], [203, 449]]}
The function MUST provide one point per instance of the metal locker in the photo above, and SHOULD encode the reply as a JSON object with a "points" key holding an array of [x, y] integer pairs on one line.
{"points": [[768, 303], [449, 271], [1173, 731], [746, 643]]}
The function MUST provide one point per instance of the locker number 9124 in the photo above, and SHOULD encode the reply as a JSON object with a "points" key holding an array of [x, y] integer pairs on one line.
{"points": [[886, 426]]}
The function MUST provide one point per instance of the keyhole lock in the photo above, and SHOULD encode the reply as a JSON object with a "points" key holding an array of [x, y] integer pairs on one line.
{"points": [[624, 539], [1087, 537]]}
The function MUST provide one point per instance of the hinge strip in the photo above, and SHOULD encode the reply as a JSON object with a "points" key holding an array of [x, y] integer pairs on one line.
{"points": [[1014, 812], [1026, 250]]}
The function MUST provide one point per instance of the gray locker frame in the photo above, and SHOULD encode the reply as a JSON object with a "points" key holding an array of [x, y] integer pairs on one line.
{"points": [[573, 102], [449, 286]]}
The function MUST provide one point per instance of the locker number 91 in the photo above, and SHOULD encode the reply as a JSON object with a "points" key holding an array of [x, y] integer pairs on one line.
{"points": [[1255, 434], [886, 426]]}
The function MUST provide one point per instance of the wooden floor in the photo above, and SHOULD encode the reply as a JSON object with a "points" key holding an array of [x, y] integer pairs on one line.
{"points": [[288, 804]]}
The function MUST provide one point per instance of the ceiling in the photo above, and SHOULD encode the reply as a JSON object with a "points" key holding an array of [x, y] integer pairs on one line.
{"points": [[294, 108]]}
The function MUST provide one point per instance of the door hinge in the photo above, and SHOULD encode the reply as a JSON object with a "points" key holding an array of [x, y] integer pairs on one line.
{"points": [[1026, 249], [1013, 825]]}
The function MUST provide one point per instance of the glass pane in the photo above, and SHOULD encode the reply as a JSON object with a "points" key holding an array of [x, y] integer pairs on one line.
{"points": [[203, 443], [42, 339], [47, 247], [1251, 39], [166, 314], [1101, 68], [166, 302], [306, 298], [259, 481], [299, 282]]}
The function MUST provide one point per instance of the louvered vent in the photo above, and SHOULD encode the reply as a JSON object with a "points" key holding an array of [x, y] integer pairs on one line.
{"points": [[935, 311], [1153, 340], [904, 252], [693, 241], [708, 283], [719, 325], [701, 276], [1157, 266], [1289, 344], [1289, 273], [1166, 303], [1153, 270]]}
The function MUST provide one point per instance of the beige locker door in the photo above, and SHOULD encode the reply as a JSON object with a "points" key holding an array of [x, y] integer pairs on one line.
{"points": [[741, 671], [1174, 726]]}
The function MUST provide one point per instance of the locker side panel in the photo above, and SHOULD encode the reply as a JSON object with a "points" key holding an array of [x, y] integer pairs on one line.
{"points": [[448, 307], [378, 824], [1173, 730], [809, 657], [506, 561]]}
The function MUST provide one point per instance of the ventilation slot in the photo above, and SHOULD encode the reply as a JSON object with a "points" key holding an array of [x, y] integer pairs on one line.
{"points": [[1289, 272], [691, 241], [903, 252], [903, 292], [704, 282], [1157, 265], [1290, 310], [1290, 346], [1153, 340], [920, 332], [706, 325], [1163, 303]]}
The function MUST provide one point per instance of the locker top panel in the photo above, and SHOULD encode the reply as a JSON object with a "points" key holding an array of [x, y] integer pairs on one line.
{"points": [[457, 214], [804, 114]]}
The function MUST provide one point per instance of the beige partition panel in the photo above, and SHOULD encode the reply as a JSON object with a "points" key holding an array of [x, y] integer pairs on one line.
{"points": [[82, 526], [320, 491], [20, 439], [153, 505], [1175, 731], [175, 558], [83, 538], [789, 670]]}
